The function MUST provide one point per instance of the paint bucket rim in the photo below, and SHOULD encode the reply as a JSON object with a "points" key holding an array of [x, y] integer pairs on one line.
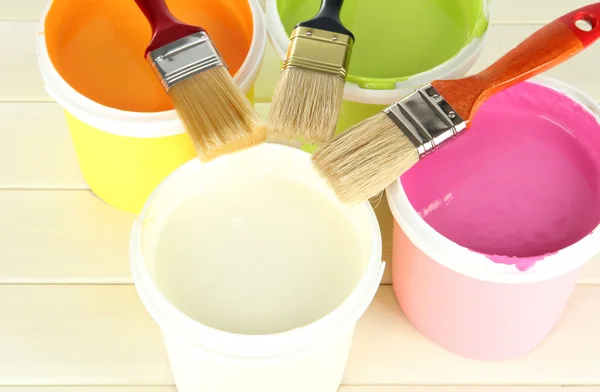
{"points": [[139, 124], [477, 265], [456, 66], [266, 347]]}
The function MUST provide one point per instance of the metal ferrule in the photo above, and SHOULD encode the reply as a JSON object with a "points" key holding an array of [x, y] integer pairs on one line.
{"points": [[319, 50], [184, 58], [426, 119]]}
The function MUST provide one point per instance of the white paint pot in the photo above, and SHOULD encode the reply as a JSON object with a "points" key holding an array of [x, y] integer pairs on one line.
{"points": [[311, 355]]}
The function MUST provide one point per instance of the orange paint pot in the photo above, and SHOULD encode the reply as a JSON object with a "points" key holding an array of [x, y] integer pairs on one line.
{"points": [[125, 131]]}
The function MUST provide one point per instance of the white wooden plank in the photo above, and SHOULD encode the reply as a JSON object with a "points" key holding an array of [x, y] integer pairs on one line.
{"points": [[366, 388], [580, 71], [463, 388], [36, 149], [101, 335], [80, 239], [532, 11], [131, 388], [36, 153], [504, 11], [20, 80], [78, 335], [62, 236], [21, 9], [390, 351], [19, 74]]}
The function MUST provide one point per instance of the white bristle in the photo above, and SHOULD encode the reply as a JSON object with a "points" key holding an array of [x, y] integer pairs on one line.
{"points": [[361, 162]]}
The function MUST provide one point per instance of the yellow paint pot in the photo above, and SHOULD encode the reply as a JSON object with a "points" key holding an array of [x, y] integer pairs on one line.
{"points": [[126, 134]]}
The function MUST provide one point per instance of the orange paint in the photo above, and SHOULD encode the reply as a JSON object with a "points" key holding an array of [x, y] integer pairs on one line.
{"points": [[98, 46]]}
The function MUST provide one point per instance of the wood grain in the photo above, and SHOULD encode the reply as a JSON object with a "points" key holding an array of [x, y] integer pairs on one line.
{"points": [[531, 11], [130, 388], [19, 73], [78, 335], [82, 335], [21, 10], [36, 151], [342, 389], [387, 350], [87, 336], [503, 12], [71, 236], [62, 237]]}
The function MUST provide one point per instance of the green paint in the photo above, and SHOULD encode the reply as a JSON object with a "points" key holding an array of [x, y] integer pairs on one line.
{"points": [[397, 38]]}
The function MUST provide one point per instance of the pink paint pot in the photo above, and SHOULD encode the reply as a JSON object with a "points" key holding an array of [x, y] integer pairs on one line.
{"points": [[492, 230]]}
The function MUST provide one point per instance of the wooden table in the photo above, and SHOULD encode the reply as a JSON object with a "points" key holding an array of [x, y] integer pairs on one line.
{"points": [[69, 314]]}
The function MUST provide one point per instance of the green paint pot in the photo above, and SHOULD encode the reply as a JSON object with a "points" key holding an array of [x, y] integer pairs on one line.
{"points": [[400, 46]]}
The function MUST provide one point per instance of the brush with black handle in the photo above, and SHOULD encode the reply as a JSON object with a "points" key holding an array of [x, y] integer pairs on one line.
{"points": [[362, 161], [308, 95]]}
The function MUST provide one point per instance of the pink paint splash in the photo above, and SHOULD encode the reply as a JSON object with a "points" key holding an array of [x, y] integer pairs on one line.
{"points": [[521, 263], [522, 183]]}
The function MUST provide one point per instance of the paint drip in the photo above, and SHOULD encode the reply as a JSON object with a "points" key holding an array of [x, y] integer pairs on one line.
{"points": [[521, 184]]}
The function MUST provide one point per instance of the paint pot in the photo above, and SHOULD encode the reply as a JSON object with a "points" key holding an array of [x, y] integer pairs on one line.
{"points": [[236, 262], [125, 132], [492, 230], [400, 46]]}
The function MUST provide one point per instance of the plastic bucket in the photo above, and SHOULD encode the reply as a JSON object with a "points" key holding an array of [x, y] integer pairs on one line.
{"points": [[488, 250], [126, 134], [400, 46], [308, 354]]}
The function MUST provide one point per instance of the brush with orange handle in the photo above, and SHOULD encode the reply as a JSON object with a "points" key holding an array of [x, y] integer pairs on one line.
{"points": [[361, 162], [216, 114]]}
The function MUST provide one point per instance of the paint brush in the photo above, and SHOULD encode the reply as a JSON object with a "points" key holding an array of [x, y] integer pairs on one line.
{"points": [[361, 162], [216, 114], [308, 95]]}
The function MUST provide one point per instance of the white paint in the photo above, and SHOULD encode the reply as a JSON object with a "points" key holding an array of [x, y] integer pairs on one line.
{"points": [[277, 257], [312, 356]]}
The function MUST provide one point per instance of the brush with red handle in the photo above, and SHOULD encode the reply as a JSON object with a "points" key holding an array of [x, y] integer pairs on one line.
{"points": [[218, 117], [361, 162]]}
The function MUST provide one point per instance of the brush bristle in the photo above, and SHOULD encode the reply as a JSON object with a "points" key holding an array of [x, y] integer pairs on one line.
{"points": [[306, 105], [218, 117], [361, 162]]}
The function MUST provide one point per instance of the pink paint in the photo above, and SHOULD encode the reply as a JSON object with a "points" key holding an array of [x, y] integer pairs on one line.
{"points": [[522, 263], [522, 183]]}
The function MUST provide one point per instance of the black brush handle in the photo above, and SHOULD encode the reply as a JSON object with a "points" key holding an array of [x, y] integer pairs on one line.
{"points": [[328, 18]]}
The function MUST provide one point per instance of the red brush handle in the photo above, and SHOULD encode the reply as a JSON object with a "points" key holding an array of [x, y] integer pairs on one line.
{"points": [[165, 27], [546, 48]]}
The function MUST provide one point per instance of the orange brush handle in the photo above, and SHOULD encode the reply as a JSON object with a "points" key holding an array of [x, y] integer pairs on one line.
{"points": [[546, 48]]}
